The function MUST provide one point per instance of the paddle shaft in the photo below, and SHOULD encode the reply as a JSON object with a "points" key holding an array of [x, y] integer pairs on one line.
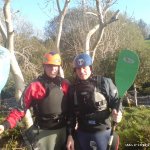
{"points": [[114, 125]]}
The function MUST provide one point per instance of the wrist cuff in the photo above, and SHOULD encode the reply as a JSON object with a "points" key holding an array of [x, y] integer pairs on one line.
{"points": [[6, 125]]}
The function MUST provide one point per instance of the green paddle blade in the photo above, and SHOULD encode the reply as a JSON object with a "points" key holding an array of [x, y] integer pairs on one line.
{"points": [[126, 70]]}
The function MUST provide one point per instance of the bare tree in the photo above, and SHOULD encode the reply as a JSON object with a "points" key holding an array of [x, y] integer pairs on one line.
{"points": [[8, 38], [102, 8], [90, 41], [62, 14]]}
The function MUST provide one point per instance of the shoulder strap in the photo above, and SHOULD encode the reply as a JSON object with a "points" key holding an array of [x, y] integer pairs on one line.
{"points": [[98, 84], [75, 99]]}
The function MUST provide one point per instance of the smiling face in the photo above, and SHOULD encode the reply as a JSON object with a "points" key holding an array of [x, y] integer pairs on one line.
{"points": [[51, 70], [84, 72]]}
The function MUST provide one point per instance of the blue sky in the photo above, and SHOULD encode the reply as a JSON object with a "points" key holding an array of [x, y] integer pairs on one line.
{"points": [[139, 9], [32, 10]]}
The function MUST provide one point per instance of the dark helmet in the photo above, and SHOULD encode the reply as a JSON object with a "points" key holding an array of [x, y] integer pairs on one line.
{"points": [[82, 60]]}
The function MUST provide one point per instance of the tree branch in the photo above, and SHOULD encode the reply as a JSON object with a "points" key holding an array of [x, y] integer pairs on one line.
{"points": [[62, 16], [88, 37], [4, 33], [58, 6], [113, 18]]}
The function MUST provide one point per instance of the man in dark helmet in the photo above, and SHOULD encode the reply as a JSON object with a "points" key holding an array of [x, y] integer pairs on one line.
{"points": [[94, 102], [48, 96]]}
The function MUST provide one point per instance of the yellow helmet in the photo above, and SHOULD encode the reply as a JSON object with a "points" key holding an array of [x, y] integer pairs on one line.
{"points": [[52, 58]]}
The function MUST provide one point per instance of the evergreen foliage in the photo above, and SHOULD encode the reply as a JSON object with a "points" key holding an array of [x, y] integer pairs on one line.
{"points": [[134, 130]]}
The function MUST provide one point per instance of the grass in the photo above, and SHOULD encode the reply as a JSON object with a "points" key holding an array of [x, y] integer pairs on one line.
{"points": [[147, 42], [134, 131]]}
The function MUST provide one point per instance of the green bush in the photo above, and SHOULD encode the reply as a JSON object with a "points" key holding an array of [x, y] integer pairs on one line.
{"points": [[12, 139], [134, 130]]}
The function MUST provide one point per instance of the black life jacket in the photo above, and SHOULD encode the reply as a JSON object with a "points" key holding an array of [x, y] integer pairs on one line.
{"points": [[89, 95], [49, 112], [91, 103]]}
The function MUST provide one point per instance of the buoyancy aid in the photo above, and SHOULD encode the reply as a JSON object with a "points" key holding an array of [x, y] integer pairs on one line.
{"points": [[91, 103], [88, 95], [50, 112]]}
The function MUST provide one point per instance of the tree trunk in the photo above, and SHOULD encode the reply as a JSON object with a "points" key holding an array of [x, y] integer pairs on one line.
{"points": [[102, 10], [62, 16], [135, 95], [17, 74]]}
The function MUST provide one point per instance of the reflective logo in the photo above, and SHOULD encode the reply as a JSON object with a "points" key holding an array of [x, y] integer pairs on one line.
{"points": [[128, 60], [57, 60], [115, 91], [93, 145], [80, 62]]}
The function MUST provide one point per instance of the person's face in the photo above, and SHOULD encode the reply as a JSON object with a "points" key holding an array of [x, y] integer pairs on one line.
{"points": [[83, 73], [51, 70]]}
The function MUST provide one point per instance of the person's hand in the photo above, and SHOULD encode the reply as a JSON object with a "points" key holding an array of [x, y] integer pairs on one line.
{"points": [[70, 143], [1, 129], [117, 116]]}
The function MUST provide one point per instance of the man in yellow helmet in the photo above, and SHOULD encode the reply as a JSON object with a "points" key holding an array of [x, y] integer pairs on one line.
{"points": [[48, 97]]}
